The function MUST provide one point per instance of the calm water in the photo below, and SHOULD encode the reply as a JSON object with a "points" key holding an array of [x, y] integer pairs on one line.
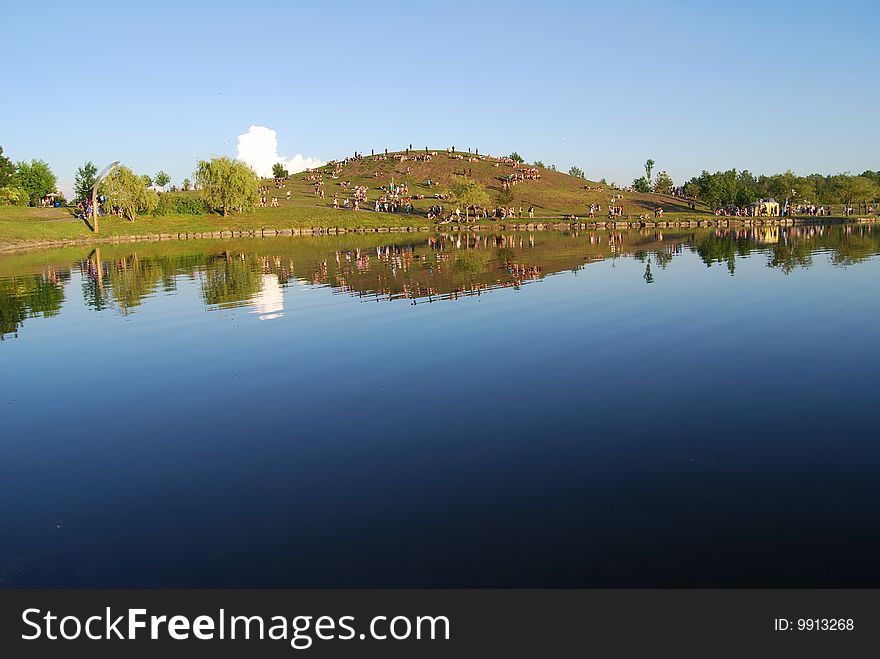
{"points": [[591, 409]]}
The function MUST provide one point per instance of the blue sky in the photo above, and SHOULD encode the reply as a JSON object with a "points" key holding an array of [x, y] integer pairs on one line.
{"points": [[757, 85]]}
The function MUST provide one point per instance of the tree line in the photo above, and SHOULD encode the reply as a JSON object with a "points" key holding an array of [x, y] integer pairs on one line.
{"points": [[741, 188], [224, 186]]}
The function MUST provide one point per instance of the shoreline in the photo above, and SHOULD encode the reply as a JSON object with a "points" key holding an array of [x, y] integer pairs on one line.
{"points": [[715, 221]]}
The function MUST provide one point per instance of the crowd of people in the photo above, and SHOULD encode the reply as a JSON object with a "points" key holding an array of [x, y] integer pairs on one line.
{"points": [[397, 197]]}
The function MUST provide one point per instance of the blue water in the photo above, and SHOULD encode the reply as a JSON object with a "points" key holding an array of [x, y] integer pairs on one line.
{"points": [[582, 427]]}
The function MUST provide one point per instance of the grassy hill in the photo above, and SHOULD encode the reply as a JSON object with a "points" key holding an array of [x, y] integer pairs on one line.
{"points": [[554, 195]]}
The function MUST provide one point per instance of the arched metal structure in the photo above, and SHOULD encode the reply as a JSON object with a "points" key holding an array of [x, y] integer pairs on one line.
{"points": [[103, 173]]}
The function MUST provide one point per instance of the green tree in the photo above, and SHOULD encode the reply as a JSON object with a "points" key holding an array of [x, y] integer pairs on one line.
{"points": [[227, 185], [36, 179], [147, 180], [805, 190], [516, 157], [642, 184], [278, 171], [692, 189], [574, 170], [468, 193], [783, 186], [7, 169], [505, 197], [649, 167], [186, 184], [84, 181], [851, 189], [539, 163], [663, 183], [128, 192], [162, 179]]}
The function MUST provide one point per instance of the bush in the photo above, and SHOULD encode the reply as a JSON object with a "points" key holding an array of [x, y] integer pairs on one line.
{"points": [[12, 196], [179, 204]]}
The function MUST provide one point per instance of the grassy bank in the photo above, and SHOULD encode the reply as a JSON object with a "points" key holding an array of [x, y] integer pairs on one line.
{"points": [[553, 196], [17, 224]]}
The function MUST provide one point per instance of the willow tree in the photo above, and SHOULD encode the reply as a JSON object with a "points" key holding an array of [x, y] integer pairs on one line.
{"points": [[227, 185], [128, 192], [469, 192]]}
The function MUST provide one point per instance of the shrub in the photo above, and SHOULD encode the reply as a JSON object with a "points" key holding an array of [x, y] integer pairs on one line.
{"points": [[179, 204], [12, 196]]}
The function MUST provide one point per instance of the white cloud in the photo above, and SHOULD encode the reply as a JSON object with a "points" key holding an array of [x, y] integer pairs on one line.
{"points": [[258, 147]]}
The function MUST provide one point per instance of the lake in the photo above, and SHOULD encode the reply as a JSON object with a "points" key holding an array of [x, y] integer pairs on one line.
{"points": [[688, 407]]}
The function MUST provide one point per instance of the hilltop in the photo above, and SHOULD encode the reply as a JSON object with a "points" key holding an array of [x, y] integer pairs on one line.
{"points": [[553, 194]]}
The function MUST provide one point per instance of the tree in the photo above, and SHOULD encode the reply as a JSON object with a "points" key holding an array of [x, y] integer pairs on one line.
{"points": [[128, 192], [539, 163], [642, 184], [783, 186], [649, 167], [186, 184], [515, 157], [576, 171], [469, 192], [84, 181], [35, 179], [227, 184], [505, 196], [7, 169], [278, 171], [663, 184], [162, 179], [147, 180], [850, 189], [692, 189], [805, 190]]}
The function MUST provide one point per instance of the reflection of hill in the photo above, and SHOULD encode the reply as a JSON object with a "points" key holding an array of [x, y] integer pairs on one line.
{"points": [[447, 266], [442, 266]]}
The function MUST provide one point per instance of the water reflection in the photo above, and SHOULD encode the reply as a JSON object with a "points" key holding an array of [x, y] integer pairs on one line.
{"points": [[388, 267]]}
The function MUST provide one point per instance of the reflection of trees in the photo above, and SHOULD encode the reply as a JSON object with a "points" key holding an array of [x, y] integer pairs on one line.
{"points": [[723, 247], [663, 258], [232, 278], [132, 279], [471, 262], [791, 255], [790, 247], [853, 246], [28, 297]]}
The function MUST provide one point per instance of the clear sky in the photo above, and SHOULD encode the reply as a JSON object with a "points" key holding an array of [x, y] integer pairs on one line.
{"points": [[694, 85]]}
